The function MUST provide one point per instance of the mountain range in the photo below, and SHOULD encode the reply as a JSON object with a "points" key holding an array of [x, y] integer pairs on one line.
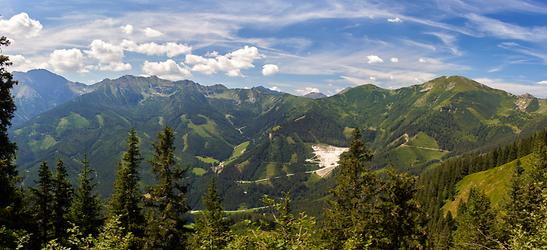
{"points": [[259, 134]]}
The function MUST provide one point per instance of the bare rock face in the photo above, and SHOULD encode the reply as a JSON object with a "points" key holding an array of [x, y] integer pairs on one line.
{"points": [[526, 102]]}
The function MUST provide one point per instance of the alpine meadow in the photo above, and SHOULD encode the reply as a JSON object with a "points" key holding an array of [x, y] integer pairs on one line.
{"points": [[327, 124]]}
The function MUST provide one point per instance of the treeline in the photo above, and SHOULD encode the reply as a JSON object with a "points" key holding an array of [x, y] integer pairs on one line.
{"points": [[438, 185]]}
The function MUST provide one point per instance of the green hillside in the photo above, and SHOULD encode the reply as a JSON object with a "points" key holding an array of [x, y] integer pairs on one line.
{"points": [[495, 183]]}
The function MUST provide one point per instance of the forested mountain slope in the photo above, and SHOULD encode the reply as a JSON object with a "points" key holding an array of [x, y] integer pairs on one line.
{"points": [[259, 133]]}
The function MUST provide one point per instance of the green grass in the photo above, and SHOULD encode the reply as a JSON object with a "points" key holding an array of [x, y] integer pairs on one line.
{"points": [[47, 142], [423, 140], [495, 183], [199, 171], [207, 159], [238, 151], [74, 120], [408, 157]]}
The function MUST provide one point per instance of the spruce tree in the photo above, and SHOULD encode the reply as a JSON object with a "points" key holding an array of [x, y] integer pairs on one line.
{"points": [[166, 201], [43, 194], [351, 209], [519, 206], [85, 211], [62, 198], [402, 220], [475, 223], [212, 229], [126, 199], [10, 198]]}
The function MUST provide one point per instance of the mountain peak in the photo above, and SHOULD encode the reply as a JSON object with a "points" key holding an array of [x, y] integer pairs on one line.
{"points": [[452, 83]]}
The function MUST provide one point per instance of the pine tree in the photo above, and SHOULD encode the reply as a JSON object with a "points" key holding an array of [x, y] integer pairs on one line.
{"points": [[475, 223], [62, 198], [85, 211], [43, 194], [212, 229], [126, 199], [351, 209], [166, 201]]}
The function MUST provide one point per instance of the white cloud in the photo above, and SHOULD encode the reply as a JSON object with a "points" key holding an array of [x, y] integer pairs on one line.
{"points": [[372, 59], [67, 60], [20, 25], [538, 90], [127, 29], [21, 63], [504, 30], [448, 40], [170, 49], [307, 90], [275, 88], [395, 20], [372, 78], [114, 66], [394, 59], [430, 61], [168, 69], [544, 82], [231, 63], [269, 69], [105, 52], [149, 32], [110, 56]]}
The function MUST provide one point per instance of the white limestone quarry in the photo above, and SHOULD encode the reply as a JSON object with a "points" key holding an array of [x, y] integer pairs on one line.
{"points": [[327, 157]]}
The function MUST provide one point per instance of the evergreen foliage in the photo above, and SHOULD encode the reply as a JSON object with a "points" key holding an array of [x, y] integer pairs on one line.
{"points": [[43, 194], [475, 223], [371, 211], [11, 205], [85, 211], [126, 199], [166, 201], [62, 199], [212, 228], [289, 231]]}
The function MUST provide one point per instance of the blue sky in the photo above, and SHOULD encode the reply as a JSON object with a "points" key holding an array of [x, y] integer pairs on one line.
{"points": [[291, 46]]}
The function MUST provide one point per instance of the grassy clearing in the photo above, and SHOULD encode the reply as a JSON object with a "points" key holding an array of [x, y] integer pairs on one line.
{"points": [[208, 160], [423, 140], [495, 183]]}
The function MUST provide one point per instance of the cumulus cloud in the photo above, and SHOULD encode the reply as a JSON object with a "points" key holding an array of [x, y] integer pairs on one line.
{"points": [[168, 69], [110, 56], [170, 49], [21, 63], [269, 69], [395, 20], [149, 32], [231, 63], [62, 60], [127, 29], [543, 82], [372, 59], [307, 90], [394, 59], [20, 25]]}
